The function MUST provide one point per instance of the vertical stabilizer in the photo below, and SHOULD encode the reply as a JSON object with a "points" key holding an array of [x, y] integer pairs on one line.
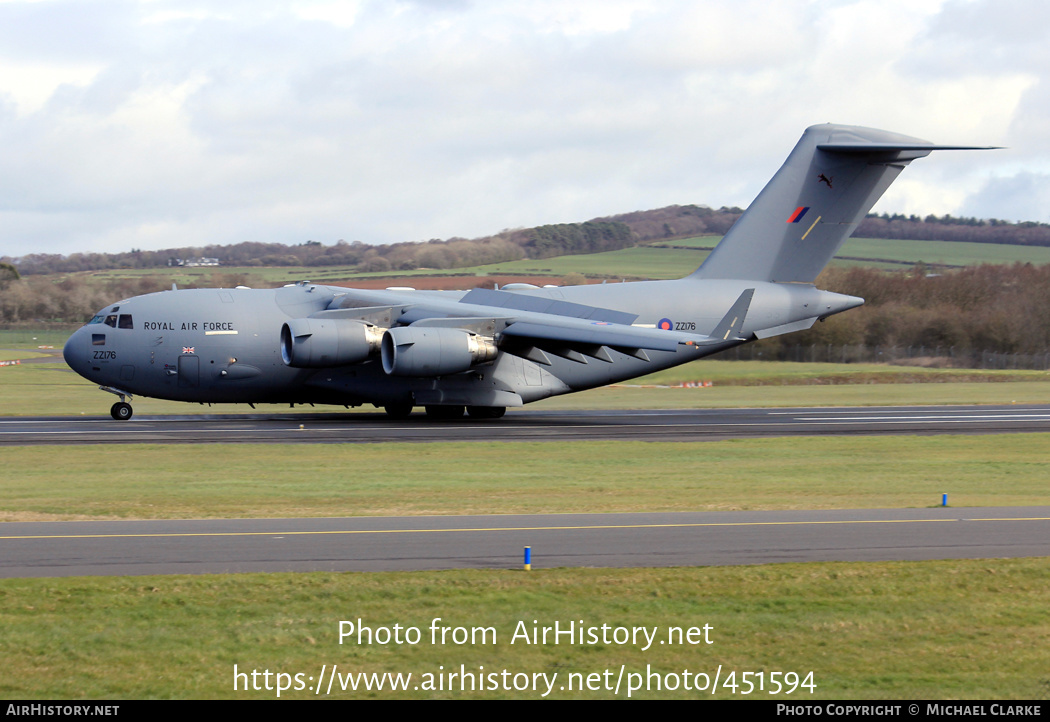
{"points": [[827, 185]]}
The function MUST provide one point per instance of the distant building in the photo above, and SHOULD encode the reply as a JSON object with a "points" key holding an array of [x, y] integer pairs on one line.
{"points": [[193, 263]]}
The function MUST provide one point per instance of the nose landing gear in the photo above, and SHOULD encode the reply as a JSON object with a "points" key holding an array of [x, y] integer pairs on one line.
{"points": [[121, 411]]}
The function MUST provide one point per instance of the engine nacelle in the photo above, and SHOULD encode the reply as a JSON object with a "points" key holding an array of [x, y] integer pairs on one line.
{"points": [[433, 351], [322, 343]]}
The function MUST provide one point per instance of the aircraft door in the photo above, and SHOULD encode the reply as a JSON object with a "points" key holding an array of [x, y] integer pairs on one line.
{"points": [[189, 371]]}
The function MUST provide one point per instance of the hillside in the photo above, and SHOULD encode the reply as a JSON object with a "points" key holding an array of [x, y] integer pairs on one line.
{"points": [[599, 235]]}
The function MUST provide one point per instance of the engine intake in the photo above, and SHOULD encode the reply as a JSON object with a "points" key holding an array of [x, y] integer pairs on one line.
{"points": [[322, 343], [433, 351]]}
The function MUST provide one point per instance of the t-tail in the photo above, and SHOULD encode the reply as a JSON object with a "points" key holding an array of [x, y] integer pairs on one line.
{"points": [[825, 188]]}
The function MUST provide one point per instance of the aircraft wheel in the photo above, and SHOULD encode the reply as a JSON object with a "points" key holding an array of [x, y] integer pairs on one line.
{"points": [[486, 412], [444, 412], [120, 411], [398, 411]]}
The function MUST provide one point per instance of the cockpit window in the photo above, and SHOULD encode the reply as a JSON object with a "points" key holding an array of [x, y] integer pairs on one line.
{"points": [[98, 339], [111, 320], [96, 319], [125, 321]]}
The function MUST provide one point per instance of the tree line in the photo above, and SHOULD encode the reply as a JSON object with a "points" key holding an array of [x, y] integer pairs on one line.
{"points": [[997, 308], [950, 228]]}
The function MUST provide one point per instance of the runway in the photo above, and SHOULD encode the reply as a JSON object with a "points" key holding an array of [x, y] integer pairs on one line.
{"points": [[53, 549], [528, 425]]}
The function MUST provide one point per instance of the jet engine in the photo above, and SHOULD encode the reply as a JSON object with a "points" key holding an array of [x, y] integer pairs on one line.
{"points": [[322, 343], [433, 351]]}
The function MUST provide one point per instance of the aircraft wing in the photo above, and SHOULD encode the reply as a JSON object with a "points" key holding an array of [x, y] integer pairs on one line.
{"points": [[578, 329], [528, 326]]}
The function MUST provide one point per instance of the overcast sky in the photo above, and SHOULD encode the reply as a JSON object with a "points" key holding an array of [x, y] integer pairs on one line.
{"points": [[152, 124]]}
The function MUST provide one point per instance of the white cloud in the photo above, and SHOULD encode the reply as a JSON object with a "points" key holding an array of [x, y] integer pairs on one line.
{"points": [[173, 123], [31, 85]]}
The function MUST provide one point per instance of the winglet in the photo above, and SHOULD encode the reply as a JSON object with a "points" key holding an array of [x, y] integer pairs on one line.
{"points": [[728, 329]]}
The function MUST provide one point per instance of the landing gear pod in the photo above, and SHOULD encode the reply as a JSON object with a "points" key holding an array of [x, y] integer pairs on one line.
{"points": [[322, 343], [433, 351]]}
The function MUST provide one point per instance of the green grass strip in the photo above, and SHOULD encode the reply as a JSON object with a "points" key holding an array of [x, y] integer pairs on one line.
{"points": [[920, 630], [51, 389], [302, 480]]}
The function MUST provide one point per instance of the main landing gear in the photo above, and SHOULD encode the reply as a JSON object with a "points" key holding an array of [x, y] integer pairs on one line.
{"points": [[486, 412], [456, 412], [444, 413], [121, 411], [398, 411]]}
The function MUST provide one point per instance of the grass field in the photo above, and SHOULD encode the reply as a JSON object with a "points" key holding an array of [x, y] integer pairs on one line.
{"points": [[932, 630], [15, 354], [876, 251], [639, 262], [295, 480], [940, 252], [630, 263], [803, 396], [52, 389], [31, 339], [270, 276], [675, 259], [774, 373]]}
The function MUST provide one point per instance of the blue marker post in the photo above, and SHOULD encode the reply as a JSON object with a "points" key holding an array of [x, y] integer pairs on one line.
{"points": [[528, 559], [944, 500]]}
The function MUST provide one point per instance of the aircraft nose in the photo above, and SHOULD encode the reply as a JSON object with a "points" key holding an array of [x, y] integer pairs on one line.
{"points": [[76, 352]]}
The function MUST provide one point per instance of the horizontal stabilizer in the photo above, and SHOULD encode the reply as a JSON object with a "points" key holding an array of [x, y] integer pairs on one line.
{"points": [[924, 148]]}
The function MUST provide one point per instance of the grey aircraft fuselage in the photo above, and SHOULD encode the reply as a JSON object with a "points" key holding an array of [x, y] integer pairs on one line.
{"points": [[486, 350]]}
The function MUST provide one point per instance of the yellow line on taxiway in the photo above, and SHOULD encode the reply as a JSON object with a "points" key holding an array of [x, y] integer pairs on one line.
{"points": [[511, 528]]}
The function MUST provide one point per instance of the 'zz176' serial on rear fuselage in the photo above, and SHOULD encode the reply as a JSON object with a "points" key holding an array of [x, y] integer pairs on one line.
{"points": [[488, 349]]}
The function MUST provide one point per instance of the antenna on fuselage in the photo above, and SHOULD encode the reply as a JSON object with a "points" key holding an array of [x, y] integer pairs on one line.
{"points": [[174, 287]]}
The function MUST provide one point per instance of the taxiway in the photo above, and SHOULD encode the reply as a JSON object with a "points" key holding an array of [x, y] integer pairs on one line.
{"points": [[50, 549]]}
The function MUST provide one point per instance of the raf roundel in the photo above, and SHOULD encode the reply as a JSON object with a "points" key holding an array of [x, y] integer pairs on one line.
{"points": [[665, 324]]}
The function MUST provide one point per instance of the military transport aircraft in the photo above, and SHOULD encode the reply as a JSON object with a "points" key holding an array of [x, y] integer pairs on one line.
{"points": [[484, 350]]}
